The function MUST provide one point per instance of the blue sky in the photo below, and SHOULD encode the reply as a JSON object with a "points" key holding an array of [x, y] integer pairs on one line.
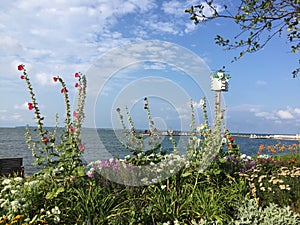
{"points": [[63, 37]]}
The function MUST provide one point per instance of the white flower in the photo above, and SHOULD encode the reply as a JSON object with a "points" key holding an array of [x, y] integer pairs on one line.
{"points": [[243, 156], [13, 191], [6, 181], [167, 223], [202, 101], [163, 187], [224, 140], [172, 171], [56, 219], [144, 179], [18, 179], [176, 222], [154, 180], [55, 210]]}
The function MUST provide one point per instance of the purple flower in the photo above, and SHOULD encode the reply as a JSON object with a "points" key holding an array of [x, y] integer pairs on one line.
{"points": [[90, 175]]}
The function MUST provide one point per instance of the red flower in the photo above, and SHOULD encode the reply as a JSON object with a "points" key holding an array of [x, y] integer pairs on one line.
{"points": [[22, 77], [64, 90], [30, 106], [230, 138], [55, 79], [77, 75], [20, 67], [229, 145], [45, 139], [76, 85], [72, 129]]}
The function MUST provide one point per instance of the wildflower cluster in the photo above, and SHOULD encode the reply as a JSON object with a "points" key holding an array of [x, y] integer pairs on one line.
{"points": [[278, 148], [273, 181]]}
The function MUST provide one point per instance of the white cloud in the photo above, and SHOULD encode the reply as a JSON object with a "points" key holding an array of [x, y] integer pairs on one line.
{"points": [[266, 115], [44, 79], [165, 27], [297, 111], [23, 106], [285, 114], [261, 82], [175, 8]]}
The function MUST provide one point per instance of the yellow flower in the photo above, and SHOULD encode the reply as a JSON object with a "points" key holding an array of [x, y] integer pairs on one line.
{"points": [[3, 219]]}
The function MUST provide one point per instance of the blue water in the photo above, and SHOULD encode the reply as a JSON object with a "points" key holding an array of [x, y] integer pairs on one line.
{"points": [[99, 144]]}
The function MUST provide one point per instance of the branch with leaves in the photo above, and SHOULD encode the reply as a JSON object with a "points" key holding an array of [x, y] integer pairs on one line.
{"points": [[259, 21]]}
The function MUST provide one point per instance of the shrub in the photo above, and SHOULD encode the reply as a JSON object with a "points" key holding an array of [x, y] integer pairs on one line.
{"points": [[252, 213]]}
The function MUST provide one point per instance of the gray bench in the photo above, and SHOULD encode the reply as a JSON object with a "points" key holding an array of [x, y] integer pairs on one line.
{"points": [[11, 166]]}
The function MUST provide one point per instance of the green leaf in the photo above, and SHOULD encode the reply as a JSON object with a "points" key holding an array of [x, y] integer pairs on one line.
{"points": [[186, 174], [55, 193]]}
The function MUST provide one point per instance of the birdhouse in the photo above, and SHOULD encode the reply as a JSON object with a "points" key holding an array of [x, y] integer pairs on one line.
{"points": [[219, 81]]}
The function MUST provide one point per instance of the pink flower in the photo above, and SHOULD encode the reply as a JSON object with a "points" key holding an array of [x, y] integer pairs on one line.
{"points": [[201, 127], [20, 67], [30, 106], [72, 129], [90, 175], [77, 75], [76, 85], [75, 115], [55, 79], [81, 147]]}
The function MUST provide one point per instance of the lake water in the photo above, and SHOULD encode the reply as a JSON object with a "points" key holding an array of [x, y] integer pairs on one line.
{"points": [[99, 144]]}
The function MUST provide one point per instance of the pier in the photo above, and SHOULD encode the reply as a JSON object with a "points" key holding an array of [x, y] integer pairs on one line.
{"points": [[275, 136]]}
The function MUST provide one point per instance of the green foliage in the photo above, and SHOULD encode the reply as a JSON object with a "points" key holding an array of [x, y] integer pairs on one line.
{"points": [[258, 20], [204, 186], [251, 213]]}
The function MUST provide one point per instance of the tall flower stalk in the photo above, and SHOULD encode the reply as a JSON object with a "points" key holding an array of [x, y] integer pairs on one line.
{"points": [[49, 152]]}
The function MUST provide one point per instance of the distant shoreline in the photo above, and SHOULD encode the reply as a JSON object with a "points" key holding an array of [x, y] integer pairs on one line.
{"points": [[293, 137]]}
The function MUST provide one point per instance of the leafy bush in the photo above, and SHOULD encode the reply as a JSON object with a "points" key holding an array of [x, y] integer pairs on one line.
{"points": [[252, 213]]}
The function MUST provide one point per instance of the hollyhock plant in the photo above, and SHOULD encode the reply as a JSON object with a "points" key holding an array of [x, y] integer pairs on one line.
{"points": [[49, 152]]}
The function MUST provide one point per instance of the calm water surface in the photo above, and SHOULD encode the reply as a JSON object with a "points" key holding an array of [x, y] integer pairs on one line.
{"points": [[99, 144]]}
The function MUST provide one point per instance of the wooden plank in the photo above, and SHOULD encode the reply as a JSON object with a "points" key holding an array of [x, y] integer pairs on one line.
{"points": [[11, 166]]}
